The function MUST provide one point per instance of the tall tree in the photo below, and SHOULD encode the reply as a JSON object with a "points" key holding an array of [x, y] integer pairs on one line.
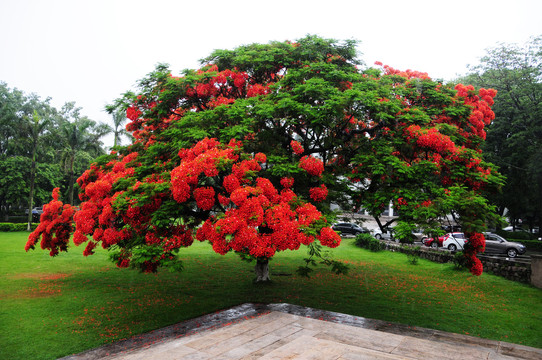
{"points": [[26, 124], [11, 101], [37, 125], [514, 139], [80, 135], [330, 132], [119, 120]]}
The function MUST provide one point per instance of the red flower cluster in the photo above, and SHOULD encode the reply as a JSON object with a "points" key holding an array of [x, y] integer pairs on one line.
{"points": [[205, 197], [430, 139], [407, 74], [318, 194], [55, 226], [296, 147], [287, 182], [476, 243], [481, 114], [312, 165], [258, 220]]}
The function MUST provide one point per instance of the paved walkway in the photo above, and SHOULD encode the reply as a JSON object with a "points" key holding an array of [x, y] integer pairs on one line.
{"points": [[284, 331]]}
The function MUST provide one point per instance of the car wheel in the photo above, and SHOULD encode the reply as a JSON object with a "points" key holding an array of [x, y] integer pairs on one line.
{"points": [[378, 236], [434, 245], [512, 253], [452, 247]]}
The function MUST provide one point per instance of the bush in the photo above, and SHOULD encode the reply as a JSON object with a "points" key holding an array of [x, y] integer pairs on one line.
{"points": [[9, 227], [367, 241], [518, 235], [412, 253], [460, 261], [532, 245]]}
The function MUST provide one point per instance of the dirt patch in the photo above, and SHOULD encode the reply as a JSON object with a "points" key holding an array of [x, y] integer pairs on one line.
{"points": [[40, 276], [44, 285]]}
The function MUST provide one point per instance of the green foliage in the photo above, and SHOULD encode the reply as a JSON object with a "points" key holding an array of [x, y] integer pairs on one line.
{"points": [[325, 258], [367, 241], [11, 227], [514, 139], [518, 235], [403, 231], [31, 148], [460, 261], [412, 253], [532, 245]]}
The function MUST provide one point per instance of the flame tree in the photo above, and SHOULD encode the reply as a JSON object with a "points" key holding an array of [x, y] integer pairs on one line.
{"points": [[249, 152]]}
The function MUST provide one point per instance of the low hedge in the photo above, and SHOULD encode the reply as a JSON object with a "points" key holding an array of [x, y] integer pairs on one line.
{"points": [[8, 227], [532, 245], [367, 241], [517, 235]]}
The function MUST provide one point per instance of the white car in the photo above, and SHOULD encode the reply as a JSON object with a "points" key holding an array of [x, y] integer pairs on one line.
{"points": [[454, 241], [386, 235]]}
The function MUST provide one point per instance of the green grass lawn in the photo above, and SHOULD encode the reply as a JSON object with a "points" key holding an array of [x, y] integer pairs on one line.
{"points": [[53, 307]]}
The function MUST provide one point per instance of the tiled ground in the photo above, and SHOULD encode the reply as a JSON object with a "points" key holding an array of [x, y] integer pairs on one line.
{"points": [[283, 331]]}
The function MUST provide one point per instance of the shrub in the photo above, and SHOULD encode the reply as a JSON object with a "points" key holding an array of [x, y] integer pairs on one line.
{"points": [[532, 245], [9, 227], [518, 235], [367, 241], [412, 253], [460, 261]]}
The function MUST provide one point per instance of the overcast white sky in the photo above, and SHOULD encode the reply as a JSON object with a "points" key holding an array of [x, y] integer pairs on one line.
{"points": [[91, 52]]}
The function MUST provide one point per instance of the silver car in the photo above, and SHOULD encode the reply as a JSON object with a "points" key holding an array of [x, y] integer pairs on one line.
{"points": [[496, 244]]}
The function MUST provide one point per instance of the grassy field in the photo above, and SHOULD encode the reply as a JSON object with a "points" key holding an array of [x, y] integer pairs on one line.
{"points": [[53, 307]]}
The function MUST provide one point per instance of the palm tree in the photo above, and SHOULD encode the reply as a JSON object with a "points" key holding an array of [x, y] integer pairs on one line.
{"points": [[36, 126], [119, 118], [80, 136]]}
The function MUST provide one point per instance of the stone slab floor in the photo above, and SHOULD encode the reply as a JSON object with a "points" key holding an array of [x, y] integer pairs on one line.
{"points": [[283, 331]]}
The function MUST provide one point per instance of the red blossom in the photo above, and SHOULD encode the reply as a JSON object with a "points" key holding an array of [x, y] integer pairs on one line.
{"points": [[205, 197], [318, 194], [328, 237], [296, 147], [287, 182], [312, 165]]}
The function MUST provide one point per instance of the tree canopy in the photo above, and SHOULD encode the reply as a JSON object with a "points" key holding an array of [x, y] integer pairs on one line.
{"points": [[249, 152], [33, 149], [514, 138]]}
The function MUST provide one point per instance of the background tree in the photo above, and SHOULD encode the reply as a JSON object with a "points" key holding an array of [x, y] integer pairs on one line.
{"points": [[27, 122], [119, 120], [30, 150], [514, 138], [36, 126], [329, 131], [81, 138]]}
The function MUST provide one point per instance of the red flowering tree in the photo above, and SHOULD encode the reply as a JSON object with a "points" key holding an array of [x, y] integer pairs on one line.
{"points": [[330, 133]]}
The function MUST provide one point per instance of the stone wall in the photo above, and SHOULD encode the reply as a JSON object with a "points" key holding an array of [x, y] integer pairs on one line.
{"points": [[509, 269], [536, 268]]}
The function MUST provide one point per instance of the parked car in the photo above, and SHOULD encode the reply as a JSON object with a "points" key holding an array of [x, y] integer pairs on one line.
{"points": [[37, 210], [517, 229], [431, 242], [349, 228], [496, 244], [420, 236], [454, 241], [386, 235]]}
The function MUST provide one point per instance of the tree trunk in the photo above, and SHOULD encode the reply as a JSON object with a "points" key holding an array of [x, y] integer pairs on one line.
{"points": [[31, 195], [71, 181], [262, 270]]}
